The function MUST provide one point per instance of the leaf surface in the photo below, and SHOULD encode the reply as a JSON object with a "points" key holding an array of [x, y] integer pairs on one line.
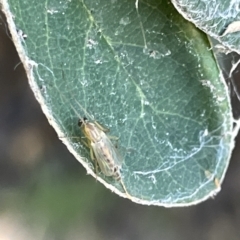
{"points": [[145, 73], [220, 19]]}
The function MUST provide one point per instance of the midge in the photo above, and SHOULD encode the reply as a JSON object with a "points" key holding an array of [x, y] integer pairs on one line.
{"points": [[101, 148]]}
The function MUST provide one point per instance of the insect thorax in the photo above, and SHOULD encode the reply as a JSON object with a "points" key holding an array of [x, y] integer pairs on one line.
{"points": [[92, 132]]}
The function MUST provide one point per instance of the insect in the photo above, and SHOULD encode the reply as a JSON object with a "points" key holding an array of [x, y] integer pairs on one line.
{"points": [[101, 148], [102, 151]]}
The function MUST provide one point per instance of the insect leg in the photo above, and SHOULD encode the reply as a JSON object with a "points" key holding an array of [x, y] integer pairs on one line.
{"points": [[93, 158], [101, 127], [114, 140], [85, 143], [126, 191], [113, 137], [92, 154]]}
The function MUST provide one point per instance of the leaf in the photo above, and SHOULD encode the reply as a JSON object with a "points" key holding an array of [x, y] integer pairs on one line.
{"points": [[144, 72], [232, 28], [219, 19]]}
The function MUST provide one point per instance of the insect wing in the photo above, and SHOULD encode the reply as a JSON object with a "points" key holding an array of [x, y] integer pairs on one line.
{"points": [[106, 156], [91, 132], [116, 156]]}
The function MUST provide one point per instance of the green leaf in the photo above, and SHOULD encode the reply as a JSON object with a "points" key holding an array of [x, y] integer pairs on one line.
{"points": [[144, 72], [220, 19]]}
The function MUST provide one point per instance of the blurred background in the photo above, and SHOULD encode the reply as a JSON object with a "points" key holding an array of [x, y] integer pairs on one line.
{"points": [[46, 194]]}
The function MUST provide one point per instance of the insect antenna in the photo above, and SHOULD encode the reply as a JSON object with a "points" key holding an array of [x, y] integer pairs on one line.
{"points": [[87, 115], [81, 120]]}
